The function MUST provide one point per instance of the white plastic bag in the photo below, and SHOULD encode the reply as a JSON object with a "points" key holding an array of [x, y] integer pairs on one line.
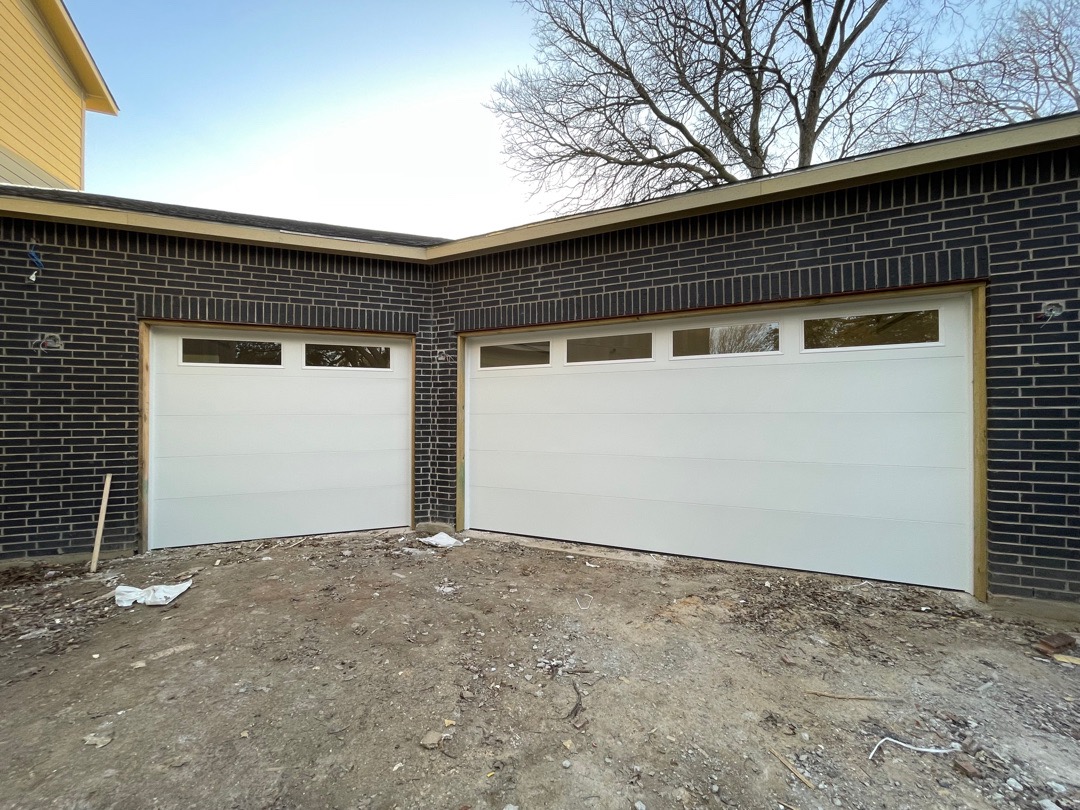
{"points": [[441, 540], [154, 595]]}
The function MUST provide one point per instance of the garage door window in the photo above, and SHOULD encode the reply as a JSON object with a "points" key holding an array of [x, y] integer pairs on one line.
{"points": [[197, 351], [515, 354], [886, 329], [711, 341], [332, 355], [609, 348]]}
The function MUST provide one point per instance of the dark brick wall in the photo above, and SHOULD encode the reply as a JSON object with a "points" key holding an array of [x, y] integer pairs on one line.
{"points": [[71, 415], [1015, 223]]}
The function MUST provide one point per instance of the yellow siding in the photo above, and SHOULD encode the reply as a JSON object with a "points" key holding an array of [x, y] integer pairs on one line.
{"points": [[41, 103], [21, 172]]}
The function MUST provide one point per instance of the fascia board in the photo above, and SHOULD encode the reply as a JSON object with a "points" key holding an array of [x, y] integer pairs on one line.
{"points": [[97, 94], [198, 229]]}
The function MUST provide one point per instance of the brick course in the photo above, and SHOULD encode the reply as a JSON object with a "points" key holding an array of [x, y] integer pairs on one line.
{"points": [[70, 415]]}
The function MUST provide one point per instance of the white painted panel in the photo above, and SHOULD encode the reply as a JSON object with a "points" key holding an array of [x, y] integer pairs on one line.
{"points": [[245, 434], [896, 385], [855, 490], [242, 452], [899, 551], [912, 439], [188, 476], [216, 391], [220, 519], [851, 461]]}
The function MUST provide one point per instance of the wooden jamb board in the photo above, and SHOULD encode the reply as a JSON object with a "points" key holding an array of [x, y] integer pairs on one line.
{"points": [[977, 291], [145, 327], [462, 427], [144, 435], [980, 467]]}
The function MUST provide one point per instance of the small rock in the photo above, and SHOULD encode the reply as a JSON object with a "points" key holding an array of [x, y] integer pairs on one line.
{"points": [[714, 788], [346, 553], [1056, 787], [511, 807], [566, 763], [1047, 804], [431, 739], [967, 768], [1014, 785], [640, 806], [837, 802], [97, 740]]}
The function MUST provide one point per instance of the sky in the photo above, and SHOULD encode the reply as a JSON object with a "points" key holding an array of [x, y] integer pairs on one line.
{"points": [[364, 113]]}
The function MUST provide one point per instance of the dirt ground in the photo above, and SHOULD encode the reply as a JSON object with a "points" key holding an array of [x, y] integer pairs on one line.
{"points": [[367, 671]]}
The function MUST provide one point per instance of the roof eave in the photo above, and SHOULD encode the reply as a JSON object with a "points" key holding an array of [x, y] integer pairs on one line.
{"points": [[97, 94], [96, 216], [980, 147]]}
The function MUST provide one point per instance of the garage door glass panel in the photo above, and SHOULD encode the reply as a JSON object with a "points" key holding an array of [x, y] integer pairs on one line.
{"points": [[329, 355], [746, 338], [232, 352], [515, 354], [886, 329], [609, 347]]}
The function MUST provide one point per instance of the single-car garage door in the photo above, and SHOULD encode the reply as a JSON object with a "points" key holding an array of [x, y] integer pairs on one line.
{"points": [[271, 434], [833, 438]]}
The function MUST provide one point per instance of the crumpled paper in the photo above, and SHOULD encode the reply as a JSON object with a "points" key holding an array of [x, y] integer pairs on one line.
{"points": [[154, 595]]}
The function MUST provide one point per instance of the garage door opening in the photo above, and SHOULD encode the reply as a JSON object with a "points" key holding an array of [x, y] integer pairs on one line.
{"points": [[257, 434], [835, 438]]}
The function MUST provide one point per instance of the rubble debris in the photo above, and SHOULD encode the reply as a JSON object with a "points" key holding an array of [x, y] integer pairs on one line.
{"points": [[1054, 643], [431, 740], [966, 767]]}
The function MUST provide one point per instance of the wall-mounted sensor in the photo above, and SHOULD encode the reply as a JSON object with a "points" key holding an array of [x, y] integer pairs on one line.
{"points": [[1052, 309], [46, 342]]}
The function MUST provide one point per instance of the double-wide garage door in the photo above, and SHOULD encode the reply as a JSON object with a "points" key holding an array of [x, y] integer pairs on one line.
{"points": [[829, 438], [271, 434]]}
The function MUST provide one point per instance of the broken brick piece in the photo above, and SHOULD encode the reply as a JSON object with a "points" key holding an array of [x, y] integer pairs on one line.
{"points": [[1054, 643], [967, 768]]}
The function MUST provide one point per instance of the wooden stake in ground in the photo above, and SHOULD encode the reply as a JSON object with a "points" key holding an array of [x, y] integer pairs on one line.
{"points": [[100, 523]]}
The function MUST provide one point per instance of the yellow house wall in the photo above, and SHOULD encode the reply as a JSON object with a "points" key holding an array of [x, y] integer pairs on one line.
{"points": [[41, 103]]}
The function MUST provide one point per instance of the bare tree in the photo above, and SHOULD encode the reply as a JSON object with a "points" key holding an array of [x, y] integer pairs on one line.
{"points": [[1022, 63], [632, 99]]}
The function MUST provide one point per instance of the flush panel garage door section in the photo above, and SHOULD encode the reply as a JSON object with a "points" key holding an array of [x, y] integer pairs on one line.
{"points": [[272, 434], [831, 438]]}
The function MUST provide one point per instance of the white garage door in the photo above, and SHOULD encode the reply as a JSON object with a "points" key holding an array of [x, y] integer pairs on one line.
{"points": [[272, 434], [833, 438]]}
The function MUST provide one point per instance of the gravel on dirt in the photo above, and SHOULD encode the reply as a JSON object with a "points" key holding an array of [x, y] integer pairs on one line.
{"points": [[368, 670]]}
